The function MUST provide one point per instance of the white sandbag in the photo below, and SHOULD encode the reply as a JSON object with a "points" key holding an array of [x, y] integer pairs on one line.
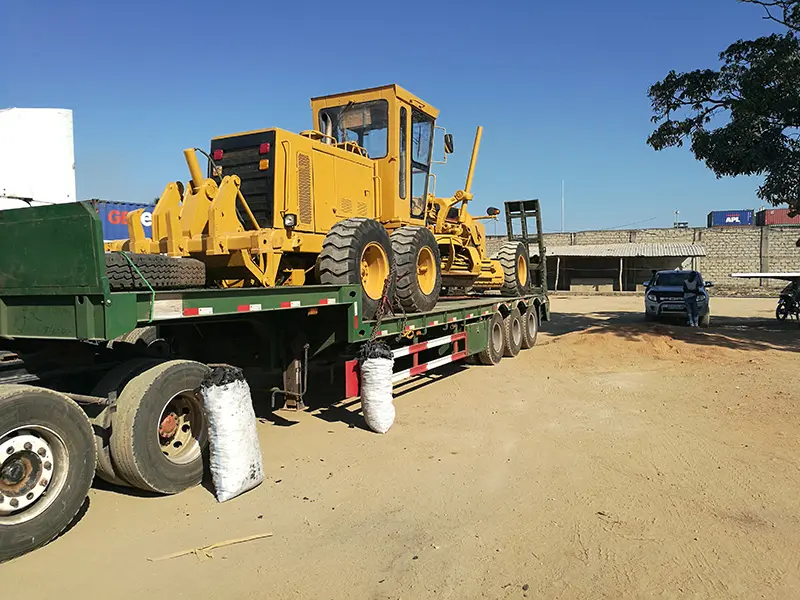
{"points": [[376, 393], [233, 440]]}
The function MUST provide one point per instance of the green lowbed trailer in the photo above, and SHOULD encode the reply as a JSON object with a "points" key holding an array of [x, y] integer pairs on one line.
{"points": [[99, 368]]}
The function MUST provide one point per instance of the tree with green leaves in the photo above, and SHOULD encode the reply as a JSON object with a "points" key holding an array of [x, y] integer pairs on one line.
{"points": [[744, 118]]}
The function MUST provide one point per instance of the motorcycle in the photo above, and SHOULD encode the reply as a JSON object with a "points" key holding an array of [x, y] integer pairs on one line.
{"points": [[789, 303]]}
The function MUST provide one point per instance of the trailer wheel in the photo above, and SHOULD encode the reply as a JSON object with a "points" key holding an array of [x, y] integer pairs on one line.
{"points": [[493, 352], [160, 428], [161, 272], [530, 327], [102, 417], [418, 267], [512, 332], [513, 257], [358, 251], [46, 466]]}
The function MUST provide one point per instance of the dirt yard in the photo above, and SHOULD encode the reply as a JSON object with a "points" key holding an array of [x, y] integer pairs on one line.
{"points": [[618, 459]]}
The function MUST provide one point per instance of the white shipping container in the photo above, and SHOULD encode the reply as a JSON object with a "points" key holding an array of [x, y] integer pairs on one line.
{"points": [[37, 157]]}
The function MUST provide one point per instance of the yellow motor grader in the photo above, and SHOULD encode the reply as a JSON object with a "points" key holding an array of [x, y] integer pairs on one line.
{"points": [[347, 202]]}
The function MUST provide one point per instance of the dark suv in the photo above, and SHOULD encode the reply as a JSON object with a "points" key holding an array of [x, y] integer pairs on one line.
{"points": [[664, 296]]}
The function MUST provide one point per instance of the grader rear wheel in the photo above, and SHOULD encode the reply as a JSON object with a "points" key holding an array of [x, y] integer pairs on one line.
{"points": [[358, 251], [514, 259], [418, 267]]}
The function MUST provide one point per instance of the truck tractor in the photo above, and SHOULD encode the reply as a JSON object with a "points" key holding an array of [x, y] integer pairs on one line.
{"points": [[348, 202]]}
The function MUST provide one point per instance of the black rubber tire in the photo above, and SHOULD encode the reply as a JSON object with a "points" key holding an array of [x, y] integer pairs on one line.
{"points": [[512, 332], [102, 417], [161, 272], [705, 320], [407, 243], [508, 256], [782, 310], [22, 405], [145, 340], [135, 451], [530, 327], [493, 353], [340, 259]]}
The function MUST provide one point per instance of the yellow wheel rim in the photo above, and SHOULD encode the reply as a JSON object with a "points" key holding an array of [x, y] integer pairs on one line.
{"points": [[426, 271], [522, 270], [374, 270]]}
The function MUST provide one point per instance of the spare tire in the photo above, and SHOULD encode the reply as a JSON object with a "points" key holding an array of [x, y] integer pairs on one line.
{"points": [[161, 272]]}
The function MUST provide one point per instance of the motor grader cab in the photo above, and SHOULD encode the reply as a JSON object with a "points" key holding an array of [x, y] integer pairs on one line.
{"points": [[345, 202]]}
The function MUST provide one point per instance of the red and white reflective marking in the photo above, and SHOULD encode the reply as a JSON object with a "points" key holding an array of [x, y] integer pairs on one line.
{"points": [[409, 328], [197, 312], [433, 323], [484, 313], [453, 319], [470, 315], [291, 304], [249, 308], [384, 332], [401, 375], [328, 301], [414, 348]]}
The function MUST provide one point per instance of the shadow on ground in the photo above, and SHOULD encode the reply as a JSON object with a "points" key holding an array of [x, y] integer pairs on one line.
{"points": [[740, 333]]}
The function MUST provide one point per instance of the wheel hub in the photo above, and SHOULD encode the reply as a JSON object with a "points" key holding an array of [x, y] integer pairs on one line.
{"points": [[169, 427], [182, 422], [25, 471]]}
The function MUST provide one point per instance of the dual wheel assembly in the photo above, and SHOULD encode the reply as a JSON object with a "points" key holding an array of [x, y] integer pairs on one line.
{"points": [[404, 266], [154, 439]]}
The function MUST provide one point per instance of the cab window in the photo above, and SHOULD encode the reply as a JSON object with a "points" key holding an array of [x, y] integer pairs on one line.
{"points": [[365, 123], [421, 147]]}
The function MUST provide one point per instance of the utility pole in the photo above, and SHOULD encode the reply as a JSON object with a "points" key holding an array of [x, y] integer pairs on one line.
{"points": [[562, 206]]}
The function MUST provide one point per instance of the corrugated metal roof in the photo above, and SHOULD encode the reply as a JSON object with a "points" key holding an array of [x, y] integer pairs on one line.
{"points": [[628, 250]]}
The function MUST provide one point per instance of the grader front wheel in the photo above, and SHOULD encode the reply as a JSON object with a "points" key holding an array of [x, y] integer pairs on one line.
{"points": [[418, 265], [358, 251], [513, 257]]}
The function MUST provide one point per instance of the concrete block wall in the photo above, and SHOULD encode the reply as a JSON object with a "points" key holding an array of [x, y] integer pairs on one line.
{"points": [[728, 250]]}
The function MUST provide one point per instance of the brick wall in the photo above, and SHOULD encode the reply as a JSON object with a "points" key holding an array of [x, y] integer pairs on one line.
{"points": [[728, 250]]}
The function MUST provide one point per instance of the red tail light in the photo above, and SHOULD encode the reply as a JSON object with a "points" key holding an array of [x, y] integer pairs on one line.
{"points": [[264, 148], [218, 154]]}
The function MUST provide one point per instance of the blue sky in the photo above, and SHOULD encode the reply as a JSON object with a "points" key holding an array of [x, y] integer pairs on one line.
{"points": [[560, 88]]}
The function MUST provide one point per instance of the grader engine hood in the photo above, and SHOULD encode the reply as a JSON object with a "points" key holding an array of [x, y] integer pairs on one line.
{"points": [[251, 156]]}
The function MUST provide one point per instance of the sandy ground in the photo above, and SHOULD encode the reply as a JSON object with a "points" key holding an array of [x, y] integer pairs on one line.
{"points": [[618, 459]]}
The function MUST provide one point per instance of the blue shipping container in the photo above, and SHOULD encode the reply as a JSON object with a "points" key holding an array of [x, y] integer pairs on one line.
{"points": [[730, 218], [114, 216]]}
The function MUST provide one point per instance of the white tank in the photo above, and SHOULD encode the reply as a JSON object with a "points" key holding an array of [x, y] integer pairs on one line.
{"points": [[37, 157]]}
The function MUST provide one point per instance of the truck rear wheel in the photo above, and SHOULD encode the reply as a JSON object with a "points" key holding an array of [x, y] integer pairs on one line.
{"points": [[530, 327], [161, 272], [513, 257], [495, 345], [358, 251], [102, 417], [47, 464], [512, 332], [418, 268], [160, 428]]}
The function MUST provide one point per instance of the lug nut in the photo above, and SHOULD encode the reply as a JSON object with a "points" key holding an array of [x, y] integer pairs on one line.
{"points": [[41, 452], [2, 498], [10, 450], [48, 466], [43, 482], [28, 446], [30, 496], [14, 502]]}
